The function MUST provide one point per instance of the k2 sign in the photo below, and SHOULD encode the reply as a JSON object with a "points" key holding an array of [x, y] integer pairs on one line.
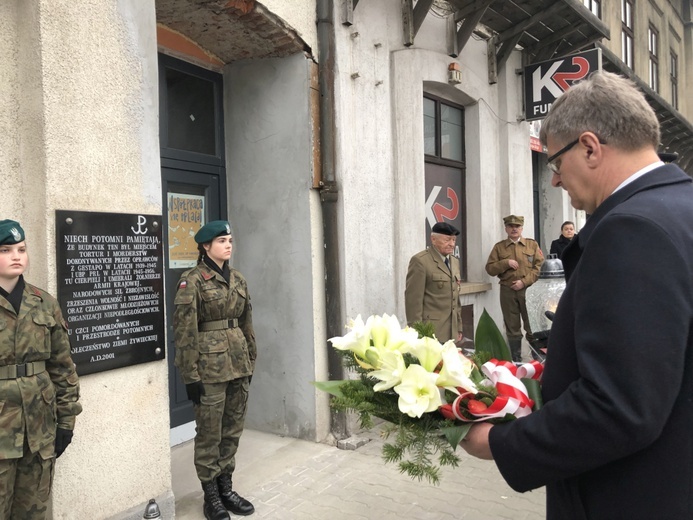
{"points": [[546, 81]]}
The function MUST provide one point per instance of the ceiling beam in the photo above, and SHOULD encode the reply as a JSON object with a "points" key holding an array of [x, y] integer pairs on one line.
{"points": [[471, 20]]}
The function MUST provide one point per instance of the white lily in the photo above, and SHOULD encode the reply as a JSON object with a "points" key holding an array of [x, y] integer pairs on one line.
{"points": [[418, 392], [358, 339], [391, 369], [429, 352], [387, 334], [456, 370]]}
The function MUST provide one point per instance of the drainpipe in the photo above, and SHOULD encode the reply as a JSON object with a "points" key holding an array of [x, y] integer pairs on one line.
{"points": [[329, 196]]}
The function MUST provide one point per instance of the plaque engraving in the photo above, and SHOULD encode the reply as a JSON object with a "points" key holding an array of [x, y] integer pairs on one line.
{"points": [[110, 287]]}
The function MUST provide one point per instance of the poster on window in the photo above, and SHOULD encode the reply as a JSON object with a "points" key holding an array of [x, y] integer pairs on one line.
{"points": [[185, 218], [444, 200]]}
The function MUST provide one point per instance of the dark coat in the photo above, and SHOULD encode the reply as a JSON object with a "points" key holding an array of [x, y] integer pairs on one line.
{"points": [[558, 245], [614, 439]]}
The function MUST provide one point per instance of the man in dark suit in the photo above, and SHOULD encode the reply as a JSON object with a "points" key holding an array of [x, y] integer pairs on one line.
{"points": [[613, 440], [432, 291]]}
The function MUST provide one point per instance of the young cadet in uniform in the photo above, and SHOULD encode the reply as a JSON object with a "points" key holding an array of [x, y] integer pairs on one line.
{"points": [[39, 388], [516, 262], [215, 353]]}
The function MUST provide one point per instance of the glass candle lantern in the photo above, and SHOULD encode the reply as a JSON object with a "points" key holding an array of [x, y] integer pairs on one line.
{"points": [[544, 294]]}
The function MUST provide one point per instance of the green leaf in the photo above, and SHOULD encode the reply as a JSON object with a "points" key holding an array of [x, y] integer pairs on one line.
{"points": [[488, 338], [534, 392], [331, 387], [455, 434]]}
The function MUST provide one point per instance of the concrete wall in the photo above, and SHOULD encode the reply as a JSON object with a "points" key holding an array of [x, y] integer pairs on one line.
{"points": [[278, 239], [80, 131], [300, 15], [380, 88]]}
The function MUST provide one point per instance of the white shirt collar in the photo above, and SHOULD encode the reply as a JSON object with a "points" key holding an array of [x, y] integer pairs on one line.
{"points": [[638, 174]]}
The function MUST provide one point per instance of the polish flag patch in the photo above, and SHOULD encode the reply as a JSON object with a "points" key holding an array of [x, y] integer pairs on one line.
{"points": [[183, 285]]}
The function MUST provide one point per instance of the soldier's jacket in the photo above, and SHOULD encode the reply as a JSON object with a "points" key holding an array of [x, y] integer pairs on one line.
{"points": [[213, 356], [37, 404], [527, 254]]}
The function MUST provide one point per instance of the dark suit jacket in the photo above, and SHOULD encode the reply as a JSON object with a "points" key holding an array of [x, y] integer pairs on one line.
{"points": [[615, 437], [432, 293]]}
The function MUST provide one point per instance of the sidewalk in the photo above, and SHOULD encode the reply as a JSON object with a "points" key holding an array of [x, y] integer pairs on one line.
{"points": [[291, 479]]}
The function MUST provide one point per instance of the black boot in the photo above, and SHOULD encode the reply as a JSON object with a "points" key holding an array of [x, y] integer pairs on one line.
{"points": [[515, 345], [232, 500], [213, 508]]}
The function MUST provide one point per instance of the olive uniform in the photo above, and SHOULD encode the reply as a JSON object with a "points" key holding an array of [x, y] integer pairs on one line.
{"points": [[529, 257], [39, 390]]}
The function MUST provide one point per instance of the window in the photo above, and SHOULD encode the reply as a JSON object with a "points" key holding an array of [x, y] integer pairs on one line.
{"points": [[674, 76], [595, 6], [627, 8], [444, 183], [653, 48], [443, 130]]}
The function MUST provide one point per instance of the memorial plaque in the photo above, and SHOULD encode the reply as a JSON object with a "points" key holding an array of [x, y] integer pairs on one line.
{"points": [[110, 288]]}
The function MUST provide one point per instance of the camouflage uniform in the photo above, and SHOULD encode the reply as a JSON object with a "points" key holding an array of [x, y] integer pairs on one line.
{"points": [[222, 358], [33, 406]]}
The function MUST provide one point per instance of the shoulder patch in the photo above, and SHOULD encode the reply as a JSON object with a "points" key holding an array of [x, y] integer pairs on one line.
{"points": [[183, 284]]}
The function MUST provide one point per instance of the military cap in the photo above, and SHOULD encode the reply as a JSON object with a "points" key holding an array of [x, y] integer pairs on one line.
{"points": [[212, 230], [514, 219], [444, 228], [10, 232]]}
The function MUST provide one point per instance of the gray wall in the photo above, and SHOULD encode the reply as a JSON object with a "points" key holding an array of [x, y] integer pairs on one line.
{"points": [[269, 138]]}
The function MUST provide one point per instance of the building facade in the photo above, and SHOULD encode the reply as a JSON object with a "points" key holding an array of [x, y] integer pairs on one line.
{"points": [[331, 133]]}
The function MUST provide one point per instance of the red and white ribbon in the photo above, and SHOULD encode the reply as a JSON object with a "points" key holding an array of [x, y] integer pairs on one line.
{"points": [[512, 396]]}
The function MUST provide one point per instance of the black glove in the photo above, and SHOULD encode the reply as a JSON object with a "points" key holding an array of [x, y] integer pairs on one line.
{"points": [[195, 391], [63, 438]]}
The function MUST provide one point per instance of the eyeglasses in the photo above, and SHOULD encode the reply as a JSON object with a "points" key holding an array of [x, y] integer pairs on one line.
{"points": [[552, 165]]}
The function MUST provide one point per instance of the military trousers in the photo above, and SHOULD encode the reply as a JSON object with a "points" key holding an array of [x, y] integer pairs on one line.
{"points": [[25, 486], [219, 419], [514, 308]]}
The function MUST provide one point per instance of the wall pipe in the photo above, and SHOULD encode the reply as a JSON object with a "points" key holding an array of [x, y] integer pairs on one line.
{"points": [[329, 196]]}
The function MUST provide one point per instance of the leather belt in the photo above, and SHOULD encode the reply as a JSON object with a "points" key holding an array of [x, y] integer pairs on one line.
{"points": [[25, 370], [206, 326]]}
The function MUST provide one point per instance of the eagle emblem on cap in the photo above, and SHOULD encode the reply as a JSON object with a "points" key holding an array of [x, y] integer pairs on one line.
{"points": [[16, 234], [228, 228]]}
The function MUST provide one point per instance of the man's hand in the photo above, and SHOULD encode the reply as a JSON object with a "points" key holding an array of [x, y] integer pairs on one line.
{"points": [[460, 336], [517, 285], [513, 264], [63, 438], [476, 441], [195, 391]]}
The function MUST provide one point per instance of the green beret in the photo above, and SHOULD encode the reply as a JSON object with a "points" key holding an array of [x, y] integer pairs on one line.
{"points": [[514, 219], [10, 232], [212, 230]]}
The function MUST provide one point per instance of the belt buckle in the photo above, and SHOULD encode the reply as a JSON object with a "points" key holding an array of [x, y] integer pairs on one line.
{"points": [[21, 370]]}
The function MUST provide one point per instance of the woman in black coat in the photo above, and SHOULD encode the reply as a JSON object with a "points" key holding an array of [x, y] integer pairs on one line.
{"points": [[567, 233]]}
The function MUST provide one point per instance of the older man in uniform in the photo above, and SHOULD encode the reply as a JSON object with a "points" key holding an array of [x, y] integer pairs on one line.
{"points": [[432, 291], [516, 262]]}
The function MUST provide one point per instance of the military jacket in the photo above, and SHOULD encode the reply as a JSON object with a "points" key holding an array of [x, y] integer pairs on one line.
{"points": [[35, 405], [213, 356], [432, 293], [527, 254]]}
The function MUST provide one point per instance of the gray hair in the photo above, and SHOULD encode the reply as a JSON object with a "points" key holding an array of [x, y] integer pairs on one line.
{"points": [[608, 105]]}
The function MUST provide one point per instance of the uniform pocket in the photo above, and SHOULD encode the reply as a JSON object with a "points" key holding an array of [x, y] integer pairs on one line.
{"points": [[45, 323]]}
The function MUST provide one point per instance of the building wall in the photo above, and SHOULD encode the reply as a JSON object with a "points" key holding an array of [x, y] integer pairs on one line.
{"points": [[674, 35], [80, 131], [300, 15], [380, 88], [278, 239]]}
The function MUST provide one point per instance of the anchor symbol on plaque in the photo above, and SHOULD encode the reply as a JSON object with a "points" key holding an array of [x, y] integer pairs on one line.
{"points": [[141, 221]]}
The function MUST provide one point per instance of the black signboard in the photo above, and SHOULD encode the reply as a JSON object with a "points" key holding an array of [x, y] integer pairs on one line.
{"points": [[548, 80], [110, 287]]}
